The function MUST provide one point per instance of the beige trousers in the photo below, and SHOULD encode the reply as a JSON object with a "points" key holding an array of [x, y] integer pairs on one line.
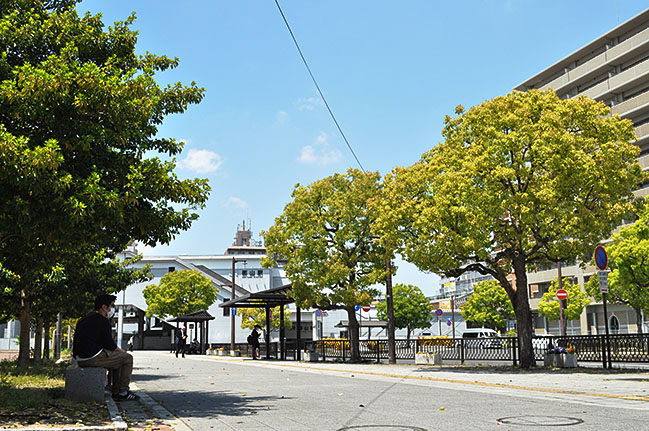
{"points": [[121, 364]]}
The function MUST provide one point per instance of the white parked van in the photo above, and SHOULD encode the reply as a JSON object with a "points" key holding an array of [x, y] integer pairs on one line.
{"points": [[485, 338]]}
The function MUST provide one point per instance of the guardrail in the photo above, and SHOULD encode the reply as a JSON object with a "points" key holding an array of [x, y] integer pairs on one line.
{"points": [[588, 348]]}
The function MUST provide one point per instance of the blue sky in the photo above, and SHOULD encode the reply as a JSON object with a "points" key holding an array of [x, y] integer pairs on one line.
{"points": [[390, 71]]}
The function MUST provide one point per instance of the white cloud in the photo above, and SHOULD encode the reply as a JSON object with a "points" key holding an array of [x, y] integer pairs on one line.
{"points": [[309, 103], [281, 118], [201, 161], [235, 202], [320, 152]]}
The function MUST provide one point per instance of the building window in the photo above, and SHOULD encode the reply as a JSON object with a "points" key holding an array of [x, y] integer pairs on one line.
{"points": [[226, 310], [260, 273], [172, 268]]}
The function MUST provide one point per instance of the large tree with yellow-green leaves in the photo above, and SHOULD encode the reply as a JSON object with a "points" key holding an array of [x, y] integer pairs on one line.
{"points": [[520, 180], [324, 235]]}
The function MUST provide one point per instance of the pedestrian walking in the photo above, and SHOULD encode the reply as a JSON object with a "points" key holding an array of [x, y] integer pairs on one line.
{"points": [[130, 343], [182, 342]]}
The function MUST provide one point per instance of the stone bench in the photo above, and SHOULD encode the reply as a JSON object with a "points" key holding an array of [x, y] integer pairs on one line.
{"points": [[85, 384]]}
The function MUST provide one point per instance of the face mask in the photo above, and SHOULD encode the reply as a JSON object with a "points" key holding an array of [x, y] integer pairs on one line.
{"points": [[111, 313]]}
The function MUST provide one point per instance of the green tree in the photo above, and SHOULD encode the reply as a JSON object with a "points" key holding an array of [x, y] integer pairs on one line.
{"points": [[332, 258], [257, 316], [412, 310], [519, 181], [488, 305], [179, 292], [576, 302], [628, 281], [77, 94]]}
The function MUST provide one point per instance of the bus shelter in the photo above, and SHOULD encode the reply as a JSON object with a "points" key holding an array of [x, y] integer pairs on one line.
{"points": [[200, 319], [267, 299]]}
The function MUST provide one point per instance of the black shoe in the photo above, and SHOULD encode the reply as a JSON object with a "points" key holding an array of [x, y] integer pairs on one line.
{"points": [[130, 396]]}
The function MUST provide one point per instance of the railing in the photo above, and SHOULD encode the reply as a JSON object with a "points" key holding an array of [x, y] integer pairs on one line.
{"points": [[588, 348]]}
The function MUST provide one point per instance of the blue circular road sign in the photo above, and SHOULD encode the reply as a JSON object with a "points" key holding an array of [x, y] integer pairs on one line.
{"points": [[601, 259], [318, 313], [449, 323], [439, 312]]}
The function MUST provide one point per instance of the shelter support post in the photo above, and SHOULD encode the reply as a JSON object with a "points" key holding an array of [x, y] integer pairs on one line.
{"points": [[298, 333], [267, 333], [282, 341]]}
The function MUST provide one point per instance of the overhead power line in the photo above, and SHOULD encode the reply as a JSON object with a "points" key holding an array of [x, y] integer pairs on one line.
{"points": [[333, 117]]}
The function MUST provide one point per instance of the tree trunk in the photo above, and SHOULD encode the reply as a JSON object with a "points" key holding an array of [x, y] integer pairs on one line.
{"points": [[638, 319], [24, 316], [353, 334], [46, 348], [523, 315], [38, 339]]}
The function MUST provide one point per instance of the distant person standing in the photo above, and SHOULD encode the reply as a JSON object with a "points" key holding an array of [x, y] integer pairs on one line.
{"points": [[94, 347], [253, 340], [182, 342]]}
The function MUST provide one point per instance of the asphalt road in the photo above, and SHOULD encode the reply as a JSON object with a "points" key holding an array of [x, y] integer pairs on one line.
{"points": [[209, 393]]}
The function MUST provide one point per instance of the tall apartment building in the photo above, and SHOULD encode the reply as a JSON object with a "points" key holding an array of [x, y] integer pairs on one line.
{"points": [[614, 69]]}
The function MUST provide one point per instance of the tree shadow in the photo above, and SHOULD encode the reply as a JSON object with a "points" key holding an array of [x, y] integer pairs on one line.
{"points": [[206, 404]]}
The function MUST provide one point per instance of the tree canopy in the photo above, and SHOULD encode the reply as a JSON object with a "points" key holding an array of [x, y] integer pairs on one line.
{"points": [[323, 234], [575, 303], [519, 181], [628, 281], [412, 310], [488, 305], [82, 110], [179, 292]]}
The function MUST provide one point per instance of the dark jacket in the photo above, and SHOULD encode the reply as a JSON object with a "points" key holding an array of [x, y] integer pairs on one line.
{"points": [[254, 338], [92, 334]]}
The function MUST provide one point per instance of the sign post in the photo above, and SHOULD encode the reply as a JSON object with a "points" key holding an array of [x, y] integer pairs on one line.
{"points": [[601, 260]]}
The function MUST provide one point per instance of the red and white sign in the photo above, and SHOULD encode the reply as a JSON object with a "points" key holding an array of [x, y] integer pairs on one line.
{"points": [[366, 308], [562, 294]]}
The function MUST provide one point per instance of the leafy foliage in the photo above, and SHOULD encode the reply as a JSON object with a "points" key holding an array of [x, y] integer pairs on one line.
{"points": [[79, 119], [628, 281], [576, 302], [412, 310], [488, 305], [324, 236], [179, 292], [257, 316], [519, 181]]}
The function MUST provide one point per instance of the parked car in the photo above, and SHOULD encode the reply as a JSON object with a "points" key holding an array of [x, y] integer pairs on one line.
{"points": [[485, 338]]}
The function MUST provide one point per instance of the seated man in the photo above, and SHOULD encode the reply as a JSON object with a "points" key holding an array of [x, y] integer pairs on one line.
{"points": [[94, 347]]}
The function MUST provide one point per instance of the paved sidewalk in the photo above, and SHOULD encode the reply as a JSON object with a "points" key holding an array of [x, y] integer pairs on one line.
{"points": [[213, 393]]}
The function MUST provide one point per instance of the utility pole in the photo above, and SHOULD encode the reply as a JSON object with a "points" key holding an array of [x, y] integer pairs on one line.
{"points": [[232, 316], [392, 357]]}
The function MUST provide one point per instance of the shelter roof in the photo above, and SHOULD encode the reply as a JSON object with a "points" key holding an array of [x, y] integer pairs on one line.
{"points": [[196, 316], [265, 298]]}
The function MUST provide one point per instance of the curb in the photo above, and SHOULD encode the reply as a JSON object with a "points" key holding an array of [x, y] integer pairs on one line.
{"points": [[163, 414]]}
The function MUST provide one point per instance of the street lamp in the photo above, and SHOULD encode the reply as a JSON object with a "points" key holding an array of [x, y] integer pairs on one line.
{"points": [[231, 312]]}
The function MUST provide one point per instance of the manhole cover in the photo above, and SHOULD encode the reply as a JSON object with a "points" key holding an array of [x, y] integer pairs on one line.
{"points": [[382, 427], [540, 421]]}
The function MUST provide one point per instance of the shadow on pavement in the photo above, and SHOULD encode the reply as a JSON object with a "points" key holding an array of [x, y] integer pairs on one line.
{"points": [[200, 404]]}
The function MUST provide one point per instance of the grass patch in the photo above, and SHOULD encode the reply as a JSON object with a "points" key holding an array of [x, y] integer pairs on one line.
{"points": [[35, 395]]}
